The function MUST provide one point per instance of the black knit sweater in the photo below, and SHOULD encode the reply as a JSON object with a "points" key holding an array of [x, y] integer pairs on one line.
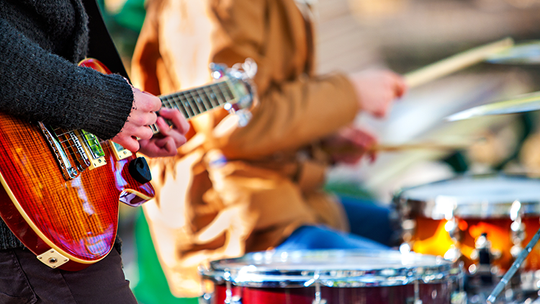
{"points": [[40, 44]]}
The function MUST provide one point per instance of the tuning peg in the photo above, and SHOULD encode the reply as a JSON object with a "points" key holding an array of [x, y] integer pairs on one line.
{"points": [[218, 70]]}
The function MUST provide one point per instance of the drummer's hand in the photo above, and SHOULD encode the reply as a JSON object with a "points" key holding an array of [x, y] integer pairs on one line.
{"points": [[377, 89], [169, 138], [350, 144]]}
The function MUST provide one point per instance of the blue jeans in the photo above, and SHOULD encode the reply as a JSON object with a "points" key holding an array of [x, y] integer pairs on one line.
{"points": [[370, 227]]}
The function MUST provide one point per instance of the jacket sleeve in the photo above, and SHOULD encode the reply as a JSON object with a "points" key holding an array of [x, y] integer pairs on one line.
{"points": [[40, 86], [292, 112]]}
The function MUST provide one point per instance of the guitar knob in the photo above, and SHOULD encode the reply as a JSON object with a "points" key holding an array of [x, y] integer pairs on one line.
{"points": [[138, 169]]}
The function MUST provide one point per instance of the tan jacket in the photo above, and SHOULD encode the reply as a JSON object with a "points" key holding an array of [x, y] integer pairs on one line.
{"points": [[271, 182]]}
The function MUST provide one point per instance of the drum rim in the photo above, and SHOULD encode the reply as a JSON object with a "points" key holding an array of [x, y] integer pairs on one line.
{"points": [[471, 209], [259, 276]]}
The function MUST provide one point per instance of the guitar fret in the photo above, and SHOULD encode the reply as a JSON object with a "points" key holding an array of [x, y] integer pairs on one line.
{"points": [[223, 92], [219, 97], [211, 98], [198, 102], [201, 99], [193, 104], [227, 90], [204, 98], [179, 105], [187, 105]]}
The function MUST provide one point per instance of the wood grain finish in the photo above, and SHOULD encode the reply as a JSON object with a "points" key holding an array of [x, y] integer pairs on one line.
{"points": [[77, 217], [55, 197]]}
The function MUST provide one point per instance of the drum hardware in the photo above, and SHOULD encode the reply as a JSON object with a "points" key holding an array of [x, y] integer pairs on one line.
{"points": [[206, 298], [416, 299], [336, 277], [513, 269], [485, 258], [517, 227], [315, 280], [452, 227], [229, 298]]}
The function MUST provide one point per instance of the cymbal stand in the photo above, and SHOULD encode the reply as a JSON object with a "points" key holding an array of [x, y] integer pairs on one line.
{"points": [[515, 266]]}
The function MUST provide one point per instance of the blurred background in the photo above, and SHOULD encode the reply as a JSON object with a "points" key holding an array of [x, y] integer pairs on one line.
{"points": [[402, 35]]}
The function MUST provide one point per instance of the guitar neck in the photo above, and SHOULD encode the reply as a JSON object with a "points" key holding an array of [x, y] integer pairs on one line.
{"points": [[198, 100]]}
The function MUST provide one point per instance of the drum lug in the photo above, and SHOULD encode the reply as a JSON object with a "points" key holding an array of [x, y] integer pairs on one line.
{"points": [[229, 297], [235, 300], [517, 227], [456, 234], [205, 299], [317, 283]]}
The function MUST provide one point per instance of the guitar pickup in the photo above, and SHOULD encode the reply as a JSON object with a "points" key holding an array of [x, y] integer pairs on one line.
{"points": [[119, 151], [93, 148]]}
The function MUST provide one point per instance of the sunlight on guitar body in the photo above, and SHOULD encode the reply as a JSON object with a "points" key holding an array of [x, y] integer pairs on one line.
{"points": [[64, 185]]}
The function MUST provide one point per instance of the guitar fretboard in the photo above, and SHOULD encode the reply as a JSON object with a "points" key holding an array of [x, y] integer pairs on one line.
{"points": [[198, 100]]}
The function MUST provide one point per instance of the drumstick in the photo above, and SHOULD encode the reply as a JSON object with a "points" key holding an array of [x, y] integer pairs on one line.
{"points": [[417, 146], [456, 62], [515, 266], [396, 147]]}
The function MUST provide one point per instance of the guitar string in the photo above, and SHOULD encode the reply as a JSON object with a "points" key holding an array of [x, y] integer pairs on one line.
{"points": [[169, 101]]}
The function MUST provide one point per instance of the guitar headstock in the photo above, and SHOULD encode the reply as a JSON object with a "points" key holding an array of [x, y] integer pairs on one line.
{"points": [[240, 77]]}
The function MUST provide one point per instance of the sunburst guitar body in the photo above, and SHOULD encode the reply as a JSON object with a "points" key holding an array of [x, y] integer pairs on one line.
{"points": [[62, 188]]}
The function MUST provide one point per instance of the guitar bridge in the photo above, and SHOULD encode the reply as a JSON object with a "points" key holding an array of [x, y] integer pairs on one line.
{"points": [[68, 170]]}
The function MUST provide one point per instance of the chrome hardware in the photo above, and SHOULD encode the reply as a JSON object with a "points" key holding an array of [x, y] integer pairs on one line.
{"points": [[245, 95], [517, 228], [119, 151], [68, 171], [417, 293], [52, 258], [93, 149], [206, 298], [229, 298], [452, 227], [458, 297], [79, 153], [317, 282]]}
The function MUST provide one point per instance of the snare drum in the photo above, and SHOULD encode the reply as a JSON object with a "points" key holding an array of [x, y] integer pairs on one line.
{"points": [[334, 277], [457, 218]]}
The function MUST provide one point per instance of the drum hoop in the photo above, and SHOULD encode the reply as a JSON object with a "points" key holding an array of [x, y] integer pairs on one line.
{"points": [[262, 276], [479, 209]]}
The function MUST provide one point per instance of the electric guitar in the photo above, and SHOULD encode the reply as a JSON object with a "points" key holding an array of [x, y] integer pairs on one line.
{"points": [[61, 188]]}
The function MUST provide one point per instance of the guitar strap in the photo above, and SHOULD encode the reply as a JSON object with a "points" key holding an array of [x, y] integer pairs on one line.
{"points": [[101, 45]]}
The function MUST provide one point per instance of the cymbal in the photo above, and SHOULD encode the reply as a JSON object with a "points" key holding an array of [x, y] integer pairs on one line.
{"points": [[522, 103], [521, 53]]}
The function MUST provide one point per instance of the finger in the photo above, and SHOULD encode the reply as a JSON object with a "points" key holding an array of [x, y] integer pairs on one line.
{"points": [[178, 120], [140, 118], [137, 130], [178, 138], [145, 102], [372, 156], [167, 146], [141, 132], [401, 86], [127, 142]]}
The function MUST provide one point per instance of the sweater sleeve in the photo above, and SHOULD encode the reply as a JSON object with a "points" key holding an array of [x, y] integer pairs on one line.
{"points": [[40, 86]]}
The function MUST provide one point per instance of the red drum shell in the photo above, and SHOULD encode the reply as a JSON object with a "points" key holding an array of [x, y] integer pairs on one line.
{"points": [[342, 276], [429, 294]]}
